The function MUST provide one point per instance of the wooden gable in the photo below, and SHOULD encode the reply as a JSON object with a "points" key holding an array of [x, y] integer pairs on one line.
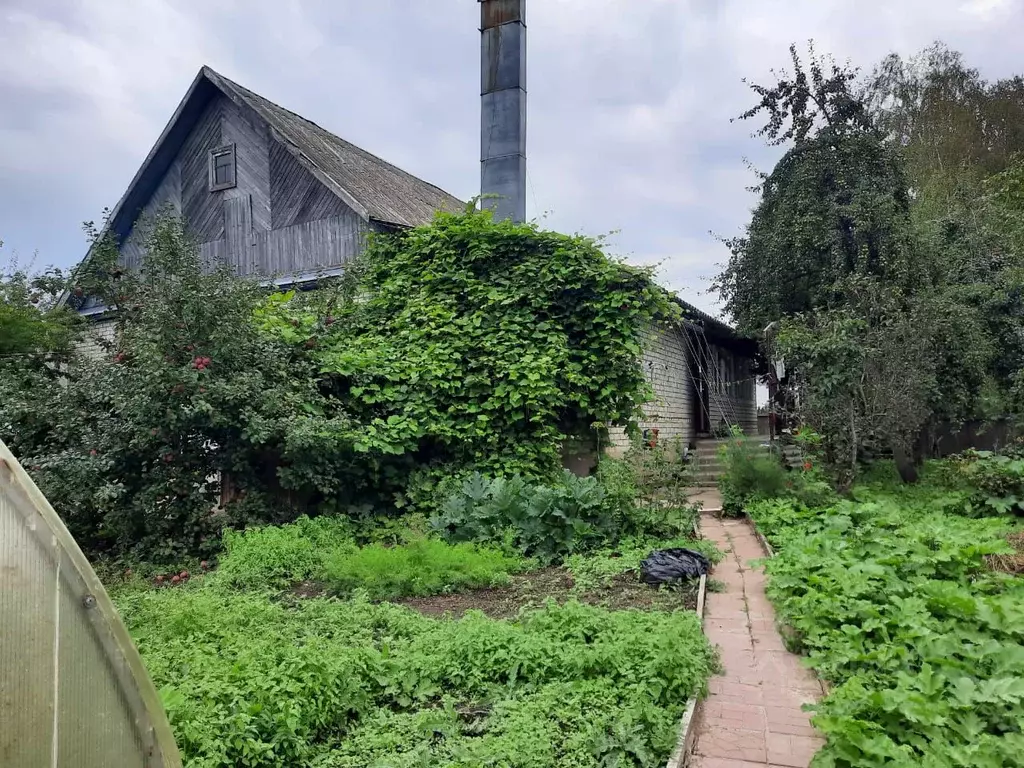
{"points": [[276, 220]]}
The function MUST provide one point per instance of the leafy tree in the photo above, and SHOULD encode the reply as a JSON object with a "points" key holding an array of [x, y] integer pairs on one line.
{"points": [[887, 241], [131, 448], [459, 346], [835, 205], [961, 138], [27, 327], [866, 375], [36, 340], [832, 208], [810, 100]]}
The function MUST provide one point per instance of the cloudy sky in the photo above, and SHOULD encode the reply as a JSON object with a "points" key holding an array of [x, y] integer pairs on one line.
{"points": [[629, 107]]}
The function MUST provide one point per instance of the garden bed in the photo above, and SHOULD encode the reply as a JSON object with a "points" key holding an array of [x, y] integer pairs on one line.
{"points": [[894, 597], [622, 591], [302, 648]]}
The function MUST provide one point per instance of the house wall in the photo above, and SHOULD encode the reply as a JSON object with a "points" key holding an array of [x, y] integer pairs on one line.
{"points": [[98, 332], [666, 364], [278, 220], [669, 362]]}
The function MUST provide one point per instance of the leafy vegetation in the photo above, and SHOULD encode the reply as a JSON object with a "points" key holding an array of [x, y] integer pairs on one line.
{"points": [[422, 567], [890, 596], [997, 480], [752, 473], [133, 448], [459, 346], [885, 255], [470, 345], [598, 568], [254, 671], [275, 557], [28, 328], [543, 521], [250, 681], [550, 522]]}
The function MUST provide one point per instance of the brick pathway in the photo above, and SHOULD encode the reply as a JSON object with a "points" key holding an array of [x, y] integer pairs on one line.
{"points": [[752, 716]]}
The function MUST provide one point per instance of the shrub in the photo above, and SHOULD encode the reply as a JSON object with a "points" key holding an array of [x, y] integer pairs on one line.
{"points": [[422, 567], [474, 345], [131, 448], [653, 473], [750, 473], [998, 481], [544, 521], [461, 345], [646, 492], [277, 556]]}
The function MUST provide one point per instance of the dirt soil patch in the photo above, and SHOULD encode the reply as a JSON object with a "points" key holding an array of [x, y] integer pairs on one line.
{"points": [[1012, 564], [625, 591]]}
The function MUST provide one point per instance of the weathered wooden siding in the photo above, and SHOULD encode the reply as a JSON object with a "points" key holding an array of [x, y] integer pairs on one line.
{"points": [[310, 246], [296, 197], [252, 160], [167, 197], [203, 211], [238, 233], [277, 221], [213, 253]]}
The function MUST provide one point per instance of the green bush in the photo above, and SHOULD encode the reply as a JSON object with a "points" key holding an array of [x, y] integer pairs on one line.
{"points": [[646, 493], [544, 521], [251, 682], [419, 568], [998, 481], [464, 344], [750, 472], [277, 556], [891, 599]]}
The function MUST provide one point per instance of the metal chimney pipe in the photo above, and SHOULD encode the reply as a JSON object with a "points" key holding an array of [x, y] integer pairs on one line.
{"points": [[503, 108]]}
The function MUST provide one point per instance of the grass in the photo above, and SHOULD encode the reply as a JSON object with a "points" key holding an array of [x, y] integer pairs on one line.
{"points": [[422, 567]]}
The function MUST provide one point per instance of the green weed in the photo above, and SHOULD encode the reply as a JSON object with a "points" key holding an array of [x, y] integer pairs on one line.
{"points": [[253, 682], [421, 567], [890, 598], [277, 556], [599, 568]]}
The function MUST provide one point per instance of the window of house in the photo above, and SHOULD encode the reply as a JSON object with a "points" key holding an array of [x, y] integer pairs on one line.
{"points": [[222, 168]]}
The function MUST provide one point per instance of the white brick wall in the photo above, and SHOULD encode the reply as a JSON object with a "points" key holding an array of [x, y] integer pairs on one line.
{"points": [[667, 363], [99, 330]]}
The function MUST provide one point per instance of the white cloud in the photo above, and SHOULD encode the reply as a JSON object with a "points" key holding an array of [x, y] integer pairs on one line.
{"points": [[629, 102]]}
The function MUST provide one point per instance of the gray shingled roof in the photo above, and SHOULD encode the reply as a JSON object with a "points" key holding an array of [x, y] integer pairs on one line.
{"points": [[385, 192]]}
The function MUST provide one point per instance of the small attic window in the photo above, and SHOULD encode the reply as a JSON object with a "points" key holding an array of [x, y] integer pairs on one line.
{"points": [[222, 168]]}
